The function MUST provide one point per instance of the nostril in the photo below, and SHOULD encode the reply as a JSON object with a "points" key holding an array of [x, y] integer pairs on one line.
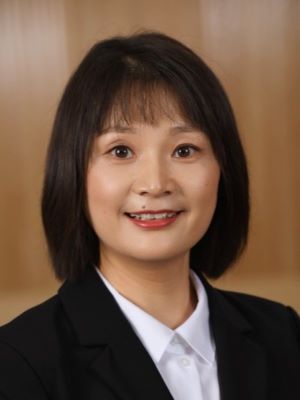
{"points": [[154, 192]]}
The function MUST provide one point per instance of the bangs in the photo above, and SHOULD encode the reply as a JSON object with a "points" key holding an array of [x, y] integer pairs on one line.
{"points": [[142, 99]]}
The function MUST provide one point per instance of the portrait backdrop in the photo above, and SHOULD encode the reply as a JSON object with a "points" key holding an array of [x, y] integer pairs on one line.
{"points": [[253, 47]]}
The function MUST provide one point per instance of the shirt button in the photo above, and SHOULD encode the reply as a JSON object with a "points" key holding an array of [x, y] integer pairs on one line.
{"points": [[185, 362]]}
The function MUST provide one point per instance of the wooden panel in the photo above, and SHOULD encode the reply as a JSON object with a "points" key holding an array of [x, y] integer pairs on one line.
{"points": [[33, 70], [254, 49]]}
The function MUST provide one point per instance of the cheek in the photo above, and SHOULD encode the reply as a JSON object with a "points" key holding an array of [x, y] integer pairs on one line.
{"points": [[204, 187], [99, 190], [106, 189], [204, 196]]}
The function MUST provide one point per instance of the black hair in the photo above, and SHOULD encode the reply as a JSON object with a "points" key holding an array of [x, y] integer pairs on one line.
{"points": [[118, 79]]}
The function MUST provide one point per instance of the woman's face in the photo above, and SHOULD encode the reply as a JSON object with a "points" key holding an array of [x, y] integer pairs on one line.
{"points": [[151, 189]]}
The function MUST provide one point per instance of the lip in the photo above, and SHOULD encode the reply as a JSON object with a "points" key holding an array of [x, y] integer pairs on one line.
{"points": [[153, 211], [155, 223]]}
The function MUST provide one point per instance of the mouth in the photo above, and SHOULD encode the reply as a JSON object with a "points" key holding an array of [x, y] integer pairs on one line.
{"points": [[151, 215], [153, 219]]}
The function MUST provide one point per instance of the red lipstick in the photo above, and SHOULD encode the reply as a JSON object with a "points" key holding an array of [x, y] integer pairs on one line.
{"points": [[153, 218]]}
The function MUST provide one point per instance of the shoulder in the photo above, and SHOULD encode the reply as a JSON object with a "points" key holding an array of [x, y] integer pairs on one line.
{"points": [[40, 322], [266, 316], [258, 307], [30, 347]]}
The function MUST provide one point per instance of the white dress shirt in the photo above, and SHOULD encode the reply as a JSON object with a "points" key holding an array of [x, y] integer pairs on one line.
{"points": [[185, 356]]}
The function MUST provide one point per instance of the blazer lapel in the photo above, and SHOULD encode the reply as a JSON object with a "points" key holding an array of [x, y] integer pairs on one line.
{"points": [[241, 360], [109, 351], [129, 363]]}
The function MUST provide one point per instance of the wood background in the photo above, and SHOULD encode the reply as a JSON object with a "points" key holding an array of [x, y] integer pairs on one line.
{"points": [[253, 46]]}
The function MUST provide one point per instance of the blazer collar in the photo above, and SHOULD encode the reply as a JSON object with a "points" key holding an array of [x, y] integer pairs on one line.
{"points": [[112, 351]]}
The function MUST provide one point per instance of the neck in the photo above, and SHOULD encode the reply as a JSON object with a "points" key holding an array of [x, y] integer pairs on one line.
{"points": [[162, 289]]}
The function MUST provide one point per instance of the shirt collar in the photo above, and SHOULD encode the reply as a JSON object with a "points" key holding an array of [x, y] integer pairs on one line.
{"points": [[156, 336], [196, 329]]}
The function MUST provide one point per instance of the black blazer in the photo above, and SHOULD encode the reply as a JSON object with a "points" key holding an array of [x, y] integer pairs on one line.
{"points": [[78, 345]]}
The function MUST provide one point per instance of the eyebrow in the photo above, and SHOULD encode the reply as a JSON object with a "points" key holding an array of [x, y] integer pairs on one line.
{"points": [[118, 129], [180, 128]]}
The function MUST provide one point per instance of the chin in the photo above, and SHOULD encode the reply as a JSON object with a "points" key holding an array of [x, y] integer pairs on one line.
{"points": [[157, 255]]}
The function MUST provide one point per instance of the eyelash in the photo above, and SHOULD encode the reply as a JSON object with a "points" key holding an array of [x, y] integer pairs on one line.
{"points": [[117, 148], [188, 146], [182, 146]]}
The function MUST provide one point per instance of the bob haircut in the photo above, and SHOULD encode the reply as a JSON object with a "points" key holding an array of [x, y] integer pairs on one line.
{"points": [[126, 79]]}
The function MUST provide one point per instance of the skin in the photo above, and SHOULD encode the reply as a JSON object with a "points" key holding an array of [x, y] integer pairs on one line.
{"points": [[166, 165]]}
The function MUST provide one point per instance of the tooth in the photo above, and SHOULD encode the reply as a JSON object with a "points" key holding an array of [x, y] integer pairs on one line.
{"points": [[145, 217]]}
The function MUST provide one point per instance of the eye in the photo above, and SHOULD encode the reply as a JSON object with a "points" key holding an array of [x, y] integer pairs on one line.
{"points": [[185, 151], [121, 152]]}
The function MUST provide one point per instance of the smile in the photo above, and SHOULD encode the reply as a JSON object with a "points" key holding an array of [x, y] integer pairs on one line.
{"points": [[151, 216], [153, 219]]}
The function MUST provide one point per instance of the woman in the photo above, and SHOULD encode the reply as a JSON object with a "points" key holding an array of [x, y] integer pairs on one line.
{"points": [[146, 190]]}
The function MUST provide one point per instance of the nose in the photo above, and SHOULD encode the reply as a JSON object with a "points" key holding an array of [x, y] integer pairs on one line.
{"points": [[153, 178]]}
